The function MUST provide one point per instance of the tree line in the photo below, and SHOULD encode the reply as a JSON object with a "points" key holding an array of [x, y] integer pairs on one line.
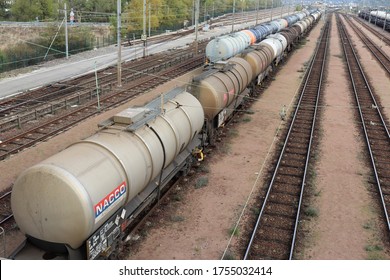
{"points": [[161, 12], [160, 16]]}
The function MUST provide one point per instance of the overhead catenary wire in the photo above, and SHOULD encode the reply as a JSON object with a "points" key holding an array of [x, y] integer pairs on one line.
{"points": [[163, 77], [58, 51]]}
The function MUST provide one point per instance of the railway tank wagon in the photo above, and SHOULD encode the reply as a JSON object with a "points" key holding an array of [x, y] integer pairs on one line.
{"points": [[65, 199], [380, 18], [227, 46], [81, 200], [263, 56], [221, 90]]}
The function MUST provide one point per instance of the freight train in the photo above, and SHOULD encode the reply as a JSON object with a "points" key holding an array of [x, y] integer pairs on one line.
{"points": [[379, 18], [225, 47], [79, 203]]}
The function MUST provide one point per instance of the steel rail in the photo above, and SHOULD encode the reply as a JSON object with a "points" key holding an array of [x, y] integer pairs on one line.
{"points": [[380, 55], [7, 217], [324, 60], [346, 42], [298, 107], [381, 36], [5, 194], [139, 87], [74, 89]]}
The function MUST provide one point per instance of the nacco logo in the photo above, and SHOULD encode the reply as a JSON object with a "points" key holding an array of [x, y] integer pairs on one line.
{"points": [[110, 199]]}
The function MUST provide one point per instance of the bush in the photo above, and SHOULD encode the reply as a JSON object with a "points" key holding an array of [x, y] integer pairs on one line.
{"points": [[311, 212], [31, 53]]}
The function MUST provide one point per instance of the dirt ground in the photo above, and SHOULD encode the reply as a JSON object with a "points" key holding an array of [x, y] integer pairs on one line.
{"points": [[347, 223], [198, 221]]}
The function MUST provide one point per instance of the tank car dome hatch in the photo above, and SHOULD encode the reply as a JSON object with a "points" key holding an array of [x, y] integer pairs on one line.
{"points": [[67, 197]]}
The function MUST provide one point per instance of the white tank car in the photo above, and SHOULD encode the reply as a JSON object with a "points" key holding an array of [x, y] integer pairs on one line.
{"points": [[67, 197]]}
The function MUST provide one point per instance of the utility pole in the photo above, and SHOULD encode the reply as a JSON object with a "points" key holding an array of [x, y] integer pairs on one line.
{"points": [[205, 11], [242, 11], [376, 16], [119, 82], [149, 19], [289, 6], [144, 31], [196, 25], [66, 33], [97, 87], [234, 11], [281, 10], [193, 12]]}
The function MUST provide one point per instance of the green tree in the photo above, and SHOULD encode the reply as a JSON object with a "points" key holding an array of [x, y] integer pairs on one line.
{"points": [[133, 15], [177, 11], [4, 9], [27, 10], [93, 10]]}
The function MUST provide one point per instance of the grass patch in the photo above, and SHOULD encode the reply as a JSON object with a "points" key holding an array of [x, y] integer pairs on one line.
{"points": [[233, 132], [201, 182], [374, 252], [234, 231], [226, 149], [311, 212], [368, 225], [204, 169], [373, 248], [317, 193], [144, 233], [229, 256], [375, 256], [249, 112], [255, 210], [301, 43], [247, 119], [177, 219]]}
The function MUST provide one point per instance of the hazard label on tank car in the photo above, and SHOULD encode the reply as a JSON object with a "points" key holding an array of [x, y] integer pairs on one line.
{"points": [[109, 200]]}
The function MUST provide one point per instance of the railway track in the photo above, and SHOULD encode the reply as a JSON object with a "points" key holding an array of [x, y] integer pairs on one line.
{"points": [[35, 104], [275, 231], [376, 50], [383, 36], [17, 111], [5, 208], [374, 127], [62, 122], [227, 19]]}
